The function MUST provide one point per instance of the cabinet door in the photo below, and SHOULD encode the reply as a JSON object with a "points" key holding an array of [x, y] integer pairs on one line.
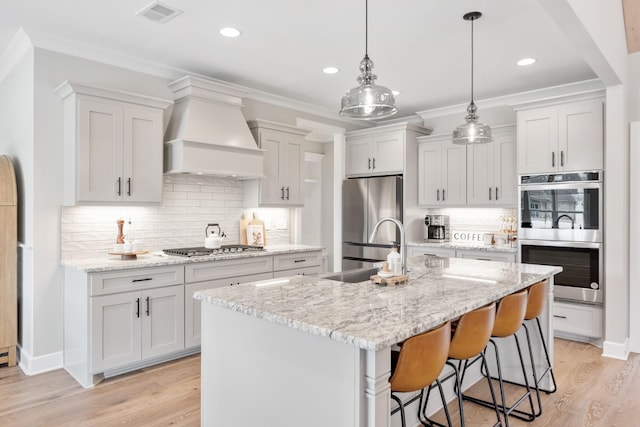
{"points": [[271, 187], [99, 151], [429, 174], [358, 156], [454, 178], [115, 330], [480, 176], [162, 312], [537, 140], [506, 175], [388, 153], [292, 163], [193, 310], [142, 160], [580, 136]]}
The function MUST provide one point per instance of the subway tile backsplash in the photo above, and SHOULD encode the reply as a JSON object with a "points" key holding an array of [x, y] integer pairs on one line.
{"points": [[475, 219], [189, 203]]}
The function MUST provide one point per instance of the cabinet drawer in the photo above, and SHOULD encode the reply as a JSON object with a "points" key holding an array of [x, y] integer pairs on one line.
{"points": [[136, 279], [297, 260], [305, 271], [486, 255], [577, 319], [227, 268]]}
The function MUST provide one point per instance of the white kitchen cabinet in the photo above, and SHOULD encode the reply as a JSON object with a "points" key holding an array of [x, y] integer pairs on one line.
{"points": [[491, 173], [113, 145], [486, 255], [442, 172], [581, 320], [431, 251], [216, 274], [133, 326], [300, 263], [380, 151], [561, 137], [283, 162]]}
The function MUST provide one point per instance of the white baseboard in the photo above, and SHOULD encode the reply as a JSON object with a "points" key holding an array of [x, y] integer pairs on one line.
{"points": [[616, 350], [40, 364]]}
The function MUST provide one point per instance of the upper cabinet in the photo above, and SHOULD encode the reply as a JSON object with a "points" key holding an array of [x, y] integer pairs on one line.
{"points": [[491, 169], [113, 145], [283, 160], [381, 150], [557, 136], [442, 168]]}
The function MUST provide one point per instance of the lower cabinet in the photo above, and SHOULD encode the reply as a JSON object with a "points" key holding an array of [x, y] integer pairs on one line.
{"points": [[303, 263], [582, 320], [431, 251], [132, 326], [461, 253]]}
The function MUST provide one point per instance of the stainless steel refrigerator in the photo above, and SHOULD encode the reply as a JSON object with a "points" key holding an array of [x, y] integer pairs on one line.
{"points": [[364, 202]]}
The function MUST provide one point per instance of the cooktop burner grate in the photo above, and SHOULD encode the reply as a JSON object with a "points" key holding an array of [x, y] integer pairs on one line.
{"points": [[201, 251]]}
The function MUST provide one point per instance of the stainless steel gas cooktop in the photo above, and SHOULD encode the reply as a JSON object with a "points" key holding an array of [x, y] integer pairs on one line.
{"points": [[201, 251]]}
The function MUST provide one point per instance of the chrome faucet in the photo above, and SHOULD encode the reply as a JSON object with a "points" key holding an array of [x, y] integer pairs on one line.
{"points": [[403, 243], [555, 223]]}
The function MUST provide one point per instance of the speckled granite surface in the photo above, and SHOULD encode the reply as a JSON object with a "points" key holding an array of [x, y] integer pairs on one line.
{"points": [[373, 317], [466, 246], [156, 259]]}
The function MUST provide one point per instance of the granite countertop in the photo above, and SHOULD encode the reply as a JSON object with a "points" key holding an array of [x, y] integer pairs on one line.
{"points": [[371, 316], [466, 246], [159, 259]]}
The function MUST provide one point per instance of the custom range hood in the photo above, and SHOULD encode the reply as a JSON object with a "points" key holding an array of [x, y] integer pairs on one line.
{"points": [[207, 133]]}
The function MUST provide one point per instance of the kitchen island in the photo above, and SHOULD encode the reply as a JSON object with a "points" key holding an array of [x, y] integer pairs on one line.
{"points": [[315, 352]]}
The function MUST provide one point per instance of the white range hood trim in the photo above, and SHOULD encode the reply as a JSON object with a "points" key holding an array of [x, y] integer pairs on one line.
{"points": [[191, 157]]}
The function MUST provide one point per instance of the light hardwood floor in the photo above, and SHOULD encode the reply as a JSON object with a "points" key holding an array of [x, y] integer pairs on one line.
{"points": [[592, 391]]}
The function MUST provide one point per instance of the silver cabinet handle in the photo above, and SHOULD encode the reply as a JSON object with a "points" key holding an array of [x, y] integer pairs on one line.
{"points": [[553, 159], [129, 187], [281, 193], [147, 306], [374, 163], [496, 193], [489, 193], [438, 195], [562, 158], [119, 186], [287, 193]]}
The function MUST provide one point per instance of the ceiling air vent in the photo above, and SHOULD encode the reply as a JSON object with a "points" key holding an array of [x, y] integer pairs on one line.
{"points": [[159, 12]]}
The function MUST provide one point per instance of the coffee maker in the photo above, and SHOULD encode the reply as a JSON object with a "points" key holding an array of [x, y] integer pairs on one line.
{"points": [[436, 228]]}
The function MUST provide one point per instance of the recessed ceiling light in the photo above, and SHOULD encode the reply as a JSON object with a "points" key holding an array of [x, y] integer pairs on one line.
{"points": [[526, 61], [230, 32], [330, 70], [395, 92]]}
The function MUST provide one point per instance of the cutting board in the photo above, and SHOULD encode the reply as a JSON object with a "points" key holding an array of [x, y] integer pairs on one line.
{"points": [[243, 229], [254, 233]]}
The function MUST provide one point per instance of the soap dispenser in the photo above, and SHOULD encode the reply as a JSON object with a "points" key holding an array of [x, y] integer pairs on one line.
{"points": [[395, 261]]}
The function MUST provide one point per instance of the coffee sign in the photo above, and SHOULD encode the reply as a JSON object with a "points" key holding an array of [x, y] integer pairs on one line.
{"points": [[467, 237]]}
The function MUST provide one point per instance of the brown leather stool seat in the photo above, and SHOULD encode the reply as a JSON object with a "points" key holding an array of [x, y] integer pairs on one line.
{"points": [[509, 317], [535, 307], [469, 339], [418, 364]]}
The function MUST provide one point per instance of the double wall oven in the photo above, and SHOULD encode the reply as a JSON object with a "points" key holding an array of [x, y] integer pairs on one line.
{"points": [[561, 219]]}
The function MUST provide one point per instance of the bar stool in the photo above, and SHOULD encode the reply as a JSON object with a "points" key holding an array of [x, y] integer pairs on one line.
{"points": [[509, 318], [469, 338], [535, 306], [418, 364]]}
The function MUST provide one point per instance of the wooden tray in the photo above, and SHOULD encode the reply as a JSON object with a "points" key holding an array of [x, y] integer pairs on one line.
{"points": [[389, 281], [128, 255]]}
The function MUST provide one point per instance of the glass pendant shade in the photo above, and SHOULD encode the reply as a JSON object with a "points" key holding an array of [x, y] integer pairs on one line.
{"points": [[472, 132], [368, 101]]}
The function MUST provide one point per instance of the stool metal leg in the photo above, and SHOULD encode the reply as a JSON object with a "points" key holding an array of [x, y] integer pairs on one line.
{"points": [[546, 355]]}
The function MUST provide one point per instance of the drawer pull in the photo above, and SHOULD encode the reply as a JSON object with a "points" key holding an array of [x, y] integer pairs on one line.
{"points": [[559, 317], [147, 306], [142, 280], [299, 260]]}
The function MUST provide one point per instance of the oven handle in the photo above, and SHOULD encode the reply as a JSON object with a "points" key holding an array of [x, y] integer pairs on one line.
{"points": [[561, 244], [561, 186]]}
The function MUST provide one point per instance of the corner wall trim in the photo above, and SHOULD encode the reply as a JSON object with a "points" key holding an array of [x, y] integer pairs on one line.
{"points": [[40, 364], [616, 350]]}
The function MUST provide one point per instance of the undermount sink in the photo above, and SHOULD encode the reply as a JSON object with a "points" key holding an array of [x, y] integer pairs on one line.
{"points": [[352, 276]]}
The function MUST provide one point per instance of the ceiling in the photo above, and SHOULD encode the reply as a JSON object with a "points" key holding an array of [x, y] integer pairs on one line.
{"points": [[420, 48]]}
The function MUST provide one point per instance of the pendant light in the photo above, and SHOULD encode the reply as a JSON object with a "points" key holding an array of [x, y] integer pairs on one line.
{"points": [[472, 132], [368, 101]]}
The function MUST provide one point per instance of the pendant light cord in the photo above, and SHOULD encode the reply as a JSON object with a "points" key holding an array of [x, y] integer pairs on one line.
{"points": [[366, 28], [472, 60]]}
